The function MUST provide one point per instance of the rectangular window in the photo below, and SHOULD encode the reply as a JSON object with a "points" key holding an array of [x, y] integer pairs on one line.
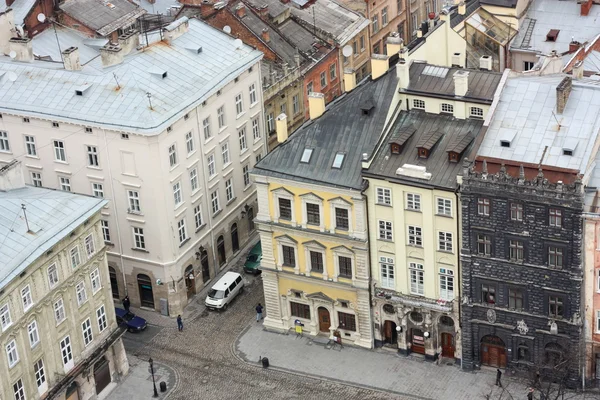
{"points": [[445, 241], [415, 235], [134, 201], [323, 79], [101, 317], [362, 43], [206, 128], [255, 129], [86, 328], [40, 375], [212, 168], [229, 190], [4, 145], [65, 350], [252, 91], [528, 65], [221, 116], [341, 219], [95, 279], [484, 244], [483, 207], [289, 259], [59, 311], [598, 321], [555, 306], [515, 299], [98, 190], [555, 256], [555, 217], [12, 354], [385, 230], [418, 104], [189, 142], [65, 184], [417, 281], [224, 154], [316, 261], [332, 72], [214, 201], [515, 250], [246, 175], [198, 217], [19, 390], [270, 123], [313, 215], [139, 242], [347, 321], [384, 16], [516, 212], [32, 331], [90, 247], [172, 155], [345, 266], [81, 293], [447, 108], [52, 275], [488, 293], [285, 209], [36, 179], [283, 108], [29, 145], [194, 179], [242, 137], [413, 201], [177, 196], [476, 112], [444, 206], [375, 24], [446, 284], [92, 152], [295, 104], [182, 231], [384, 196], [387, 272], [239, 104], [300, 310], [26, 297], [5, 319], [75, 258]]}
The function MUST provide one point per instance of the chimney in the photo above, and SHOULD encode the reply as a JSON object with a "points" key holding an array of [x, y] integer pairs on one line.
{"points": [[457, 60], [485, 63], [297, 59], [176, 29], [111, 55], [419, 33], [71, 59], [129, 41], [316, 105], [349, 79], [7, 23], [9, 3], [266, 37], [393, 44], [379, 65], [281, 127], [23, 49], [461, 83], [11, 176], [574, 46], [563, 90], [403, 69], [586, 5], [462, 8], [578, 70], [240, 11]]}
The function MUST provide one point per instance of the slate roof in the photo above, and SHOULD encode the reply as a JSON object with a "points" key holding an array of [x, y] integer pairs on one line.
{"points": [[100, 16], [439, 82], [45, 89], [52, 215], [20, 9], [343, 128], [526, 115], [444, 173]]}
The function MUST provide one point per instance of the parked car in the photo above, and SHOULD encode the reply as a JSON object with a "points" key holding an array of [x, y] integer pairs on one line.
{"points": [[224, 291], [129, 319], [252, 264]]}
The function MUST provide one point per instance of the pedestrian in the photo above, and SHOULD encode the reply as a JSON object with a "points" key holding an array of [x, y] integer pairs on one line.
{"points": [[538, 381], [530, 394], [259, 310], [179, 323], [126, 303], [498, 376]]}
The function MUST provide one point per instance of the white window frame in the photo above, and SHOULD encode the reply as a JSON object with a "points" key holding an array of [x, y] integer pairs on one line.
{"points": [[97, 190], [246, 175], [343, 252], [194, 182], [252, 94], [476, 112], [66, 352], [26, 297], [90, 245], [270, 122], [96, 281], [33, 334], [312, 199], [177, 194], [65, 183], [282, 194], [413, 201], [256, 129], [133, 197], [40, 376], [173, 161], [295, 104], [5, 318], [243, 140], [323, 79], [4, 144], [211, 165], [53, 278], [447, 108], [101, 318], [383, 196], [59, 311], [30, 146], [416, 237], [444, 204], [239, 105], [229, 194], [375, 24], [86, 330], [189, 142], [418, 104], [75, 257], [36, 179], [81, 293], [315, 248], [446, 276], [12, 354], [92, 153], [445, 241], [215, 202], [139, 240], [60, 154], [105, 230], [221, 117], [206, 129], [285, 241], [416, 278], [198, 220], [385, 230], [384, 17], [342, 204], [386, 265], [182, 231]]}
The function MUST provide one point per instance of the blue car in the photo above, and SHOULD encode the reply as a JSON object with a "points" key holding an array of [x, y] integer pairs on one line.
{"points": [[133, 322]]}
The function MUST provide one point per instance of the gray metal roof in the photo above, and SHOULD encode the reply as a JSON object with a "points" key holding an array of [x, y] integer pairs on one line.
{"points": [[20, 9], [591, 62], [544, 15], [343, 128], [51, 214], [439, 81], [500, 3], [44, 44], [526, 116], [443, 172], [45, 89], [102, 16]]}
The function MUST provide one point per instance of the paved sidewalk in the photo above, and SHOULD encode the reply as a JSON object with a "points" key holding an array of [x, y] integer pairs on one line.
{"points": [[138, 383]]}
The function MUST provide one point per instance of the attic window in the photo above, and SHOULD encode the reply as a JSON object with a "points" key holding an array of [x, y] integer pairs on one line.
{"points": [[504, 143], [338, 160], [55, 125], [418, 104], [395, 148], [567, 152], [250, 69], [125, 136], [236, 79], [88, 129], [306, 155], [552, 35], [169, 129]]}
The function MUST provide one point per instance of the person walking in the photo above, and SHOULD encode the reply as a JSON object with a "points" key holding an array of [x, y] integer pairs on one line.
{"points": [[259, 310], [179, 323], [126, 303], [530, 394], [498, 377]]}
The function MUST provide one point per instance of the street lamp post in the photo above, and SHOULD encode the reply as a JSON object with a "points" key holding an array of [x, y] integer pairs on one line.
{"points": [[153, 381]]}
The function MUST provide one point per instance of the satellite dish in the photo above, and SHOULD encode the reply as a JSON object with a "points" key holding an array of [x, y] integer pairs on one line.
{"points": [[41, 17], [227, 29], [347, 50], [13, 54], [11, 76], [238, 43]]}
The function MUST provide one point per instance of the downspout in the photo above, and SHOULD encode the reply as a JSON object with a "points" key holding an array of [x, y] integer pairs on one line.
{"points": [[458, 267], [365, 187]]}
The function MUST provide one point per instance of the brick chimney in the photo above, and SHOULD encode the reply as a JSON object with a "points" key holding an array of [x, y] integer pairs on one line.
{"points": [[574, 46], [265, 35], [9, 3], [240, 11], [461, 83], [281, 127], [563, 90], [71, 59], [586, 5]]}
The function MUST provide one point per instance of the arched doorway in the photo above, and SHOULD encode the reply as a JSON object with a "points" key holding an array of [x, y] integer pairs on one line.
{"points": [[250, 220], [145, 288], [101, 374], [417, 339], [447, 338], [205, 266], [324, 319], [72, 392], [493, 351], [114, 285], [190, 281], [554, 354], [390, 334], [235, 243], [221, 250]]}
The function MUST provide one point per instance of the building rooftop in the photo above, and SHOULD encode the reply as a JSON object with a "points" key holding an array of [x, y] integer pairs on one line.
{"points": [[46, 89], [526, 118], [500, 3], [102, 16], [44, 44], [51, 214], [21, 9], [438, 133], [439, 82], [456, 18], [166, 7], [344, 129], [565, 17]]}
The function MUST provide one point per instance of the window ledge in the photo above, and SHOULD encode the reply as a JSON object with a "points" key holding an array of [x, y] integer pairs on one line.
{"points": [[247, 187], [217, 213], [446, 251], [383, 204], [415, 245], [198, 229], [221, 129], [140, 250], [386, 240], [135, 213], [230, 201], [191, 153], [443, 215], [413, 210], [187, 239]]}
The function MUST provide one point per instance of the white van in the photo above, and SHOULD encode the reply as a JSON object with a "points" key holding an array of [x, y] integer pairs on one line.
{"points": [[224, 291]]}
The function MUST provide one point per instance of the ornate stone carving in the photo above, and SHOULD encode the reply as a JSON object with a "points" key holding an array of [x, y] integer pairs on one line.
{"points": [[491, 316], [522, 327]]}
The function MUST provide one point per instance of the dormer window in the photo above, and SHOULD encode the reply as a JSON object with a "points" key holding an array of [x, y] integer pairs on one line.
{"points": [[504, 143], [447, 108], [427, 142], [306, 155], [395, 148], [338, 160]]}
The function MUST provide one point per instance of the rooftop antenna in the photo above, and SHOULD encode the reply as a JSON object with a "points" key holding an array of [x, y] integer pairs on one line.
{"points": [[556, 119], [116, 80], [25, 215], [149, 95], [42, 18]]}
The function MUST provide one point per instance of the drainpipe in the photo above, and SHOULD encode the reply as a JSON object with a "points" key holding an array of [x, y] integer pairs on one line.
{"points": [[458, 267], [365, 187]]}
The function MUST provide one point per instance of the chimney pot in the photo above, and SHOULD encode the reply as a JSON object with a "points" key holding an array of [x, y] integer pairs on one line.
{"points": [[485, 63], [403, 69], [266, 37], [574, 46], [71, 59], [281, 127], [419, 33], [563, 90], [240, 11], [111, 55], [316, 105]]}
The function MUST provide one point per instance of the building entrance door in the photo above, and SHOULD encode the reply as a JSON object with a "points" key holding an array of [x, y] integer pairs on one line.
{"points": [[221, 251], [418, 341], [235, 242], [190, 281], [493, 351], [447, 345], [390, 333], [101, 375], [145, 288], [324, 320]]}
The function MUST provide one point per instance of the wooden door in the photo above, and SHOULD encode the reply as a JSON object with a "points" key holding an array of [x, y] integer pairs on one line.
{"points": [[324, 321], [418, 341], [494, 356], [447, 345], [101, 375]]}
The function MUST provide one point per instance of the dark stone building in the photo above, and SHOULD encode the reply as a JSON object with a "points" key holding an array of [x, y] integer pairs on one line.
{"points": [[521, 267]]}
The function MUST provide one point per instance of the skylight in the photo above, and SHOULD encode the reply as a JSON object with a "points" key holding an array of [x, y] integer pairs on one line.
{"points": [[338, 160], [306, 155]]}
